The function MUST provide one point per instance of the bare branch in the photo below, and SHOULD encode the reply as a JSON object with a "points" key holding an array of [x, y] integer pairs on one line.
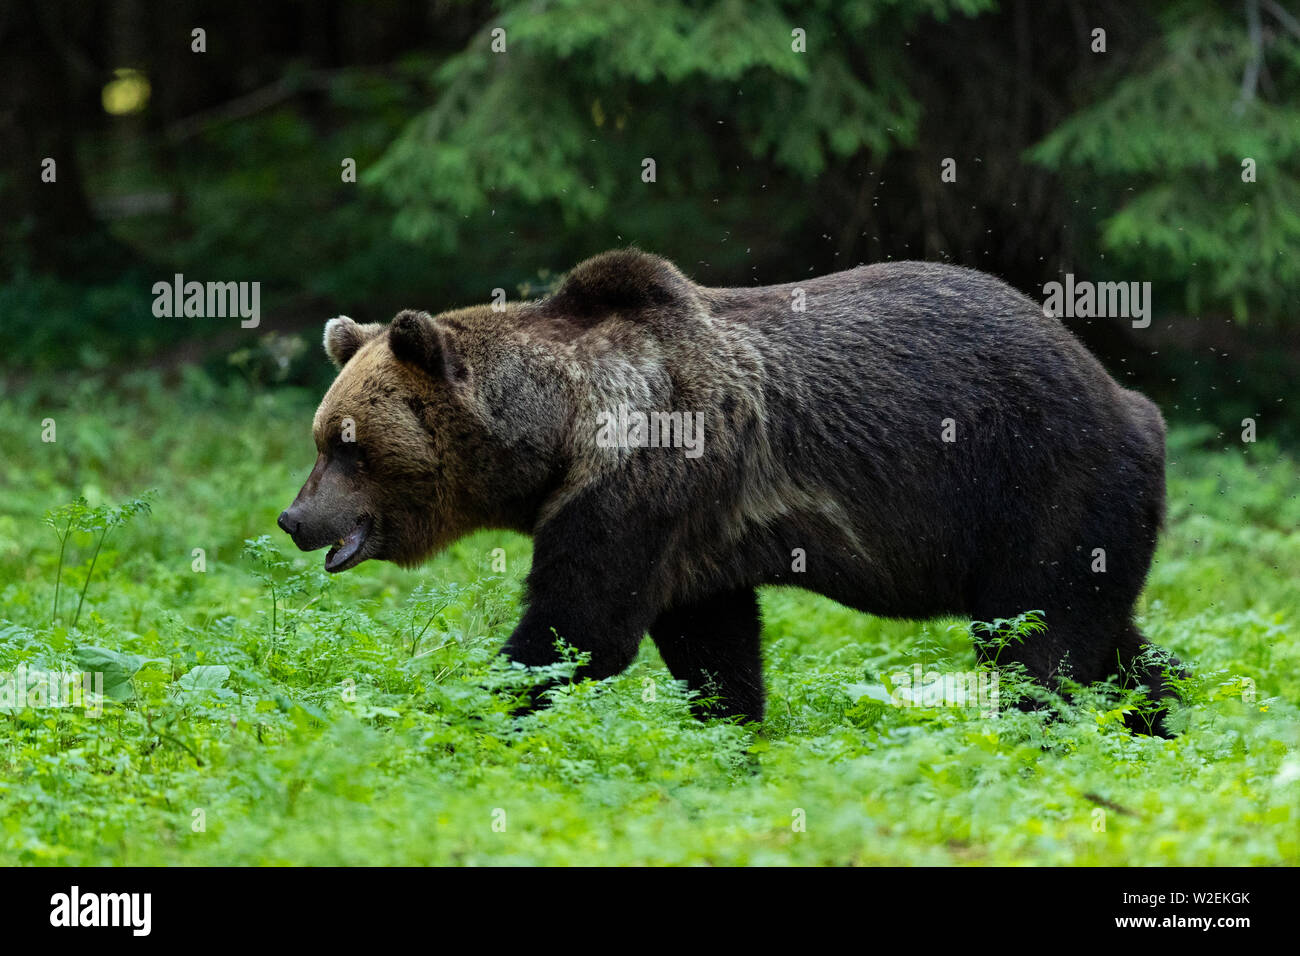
{"points": [[1250, 79], [243, 106], [1281, 15]]}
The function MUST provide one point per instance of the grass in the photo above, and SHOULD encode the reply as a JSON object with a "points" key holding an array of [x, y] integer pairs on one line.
{"points": [[262, 713]]}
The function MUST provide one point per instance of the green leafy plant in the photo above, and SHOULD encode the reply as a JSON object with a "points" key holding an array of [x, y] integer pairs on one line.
{"points": [[79, 516], [282, 580], [995, 636]]}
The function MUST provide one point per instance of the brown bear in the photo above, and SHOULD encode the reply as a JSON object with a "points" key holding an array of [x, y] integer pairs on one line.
{"points": [[909, 439]]}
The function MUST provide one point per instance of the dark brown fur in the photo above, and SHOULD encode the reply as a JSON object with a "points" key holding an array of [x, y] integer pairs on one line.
{"points": [[822, 432]]}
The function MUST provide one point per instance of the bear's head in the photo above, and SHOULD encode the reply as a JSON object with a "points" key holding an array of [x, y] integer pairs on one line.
{"points": [[434, 427]]}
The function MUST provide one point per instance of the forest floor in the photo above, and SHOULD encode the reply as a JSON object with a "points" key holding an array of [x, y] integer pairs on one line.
{"points": [[262, 712]]}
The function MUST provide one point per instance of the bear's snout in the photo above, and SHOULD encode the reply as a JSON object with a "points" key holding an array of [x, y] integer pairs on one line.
{"points": [[312, 527], [306, 529], [306, 537], [287, 524]]}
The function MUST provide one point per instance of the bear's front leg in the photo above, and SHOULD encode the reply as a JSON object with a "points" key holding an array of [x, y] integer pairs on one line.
{"points": [[611, 645], [591, 585]]}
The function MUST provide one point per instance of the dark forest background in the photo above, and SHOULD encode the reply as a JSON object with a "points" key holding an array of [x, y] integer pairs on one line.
{"points": [[1115, 156]]}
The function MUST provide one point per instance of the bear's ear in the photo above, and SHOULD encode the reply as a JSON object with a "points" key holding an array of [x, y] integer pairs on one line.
{"points": [[414, 337], [343, 338]]}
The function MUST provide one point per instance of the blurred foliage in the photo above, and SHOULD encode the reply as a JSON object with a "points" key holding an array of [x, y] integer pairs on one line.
{"points": [[1174, 134], [579, 93], [480, 169]]}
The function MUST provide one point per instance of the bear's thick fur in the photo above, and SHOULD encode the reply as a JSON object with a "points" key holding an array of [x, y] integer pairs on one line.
{"points": [[916, 440]]}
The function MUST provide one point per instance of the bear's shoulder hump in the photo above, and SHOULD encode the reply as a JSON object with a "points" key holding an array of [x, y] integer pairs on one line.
{"points": [[624, 281]]}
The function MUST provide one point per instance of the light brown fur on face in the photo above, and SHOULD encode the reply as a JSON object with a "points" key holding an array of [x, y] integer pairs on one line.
{"points": [[433, 454]]}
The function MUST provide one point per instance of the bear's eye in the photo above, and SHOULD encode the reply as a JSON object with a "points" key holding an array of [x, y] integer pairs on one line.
{"points": [[348, 453]]}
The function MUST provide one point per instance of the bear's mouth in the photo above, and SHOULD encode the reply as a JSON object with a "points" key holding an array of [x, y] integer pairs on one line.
{"points": [[347, 553]]}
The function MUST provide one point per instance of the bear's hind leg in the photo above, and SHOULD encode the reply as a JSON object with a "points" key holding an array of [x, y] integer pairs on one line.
{"points": [[1087, 647], [1142, 663], [713, 645], [1074, 645]]}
